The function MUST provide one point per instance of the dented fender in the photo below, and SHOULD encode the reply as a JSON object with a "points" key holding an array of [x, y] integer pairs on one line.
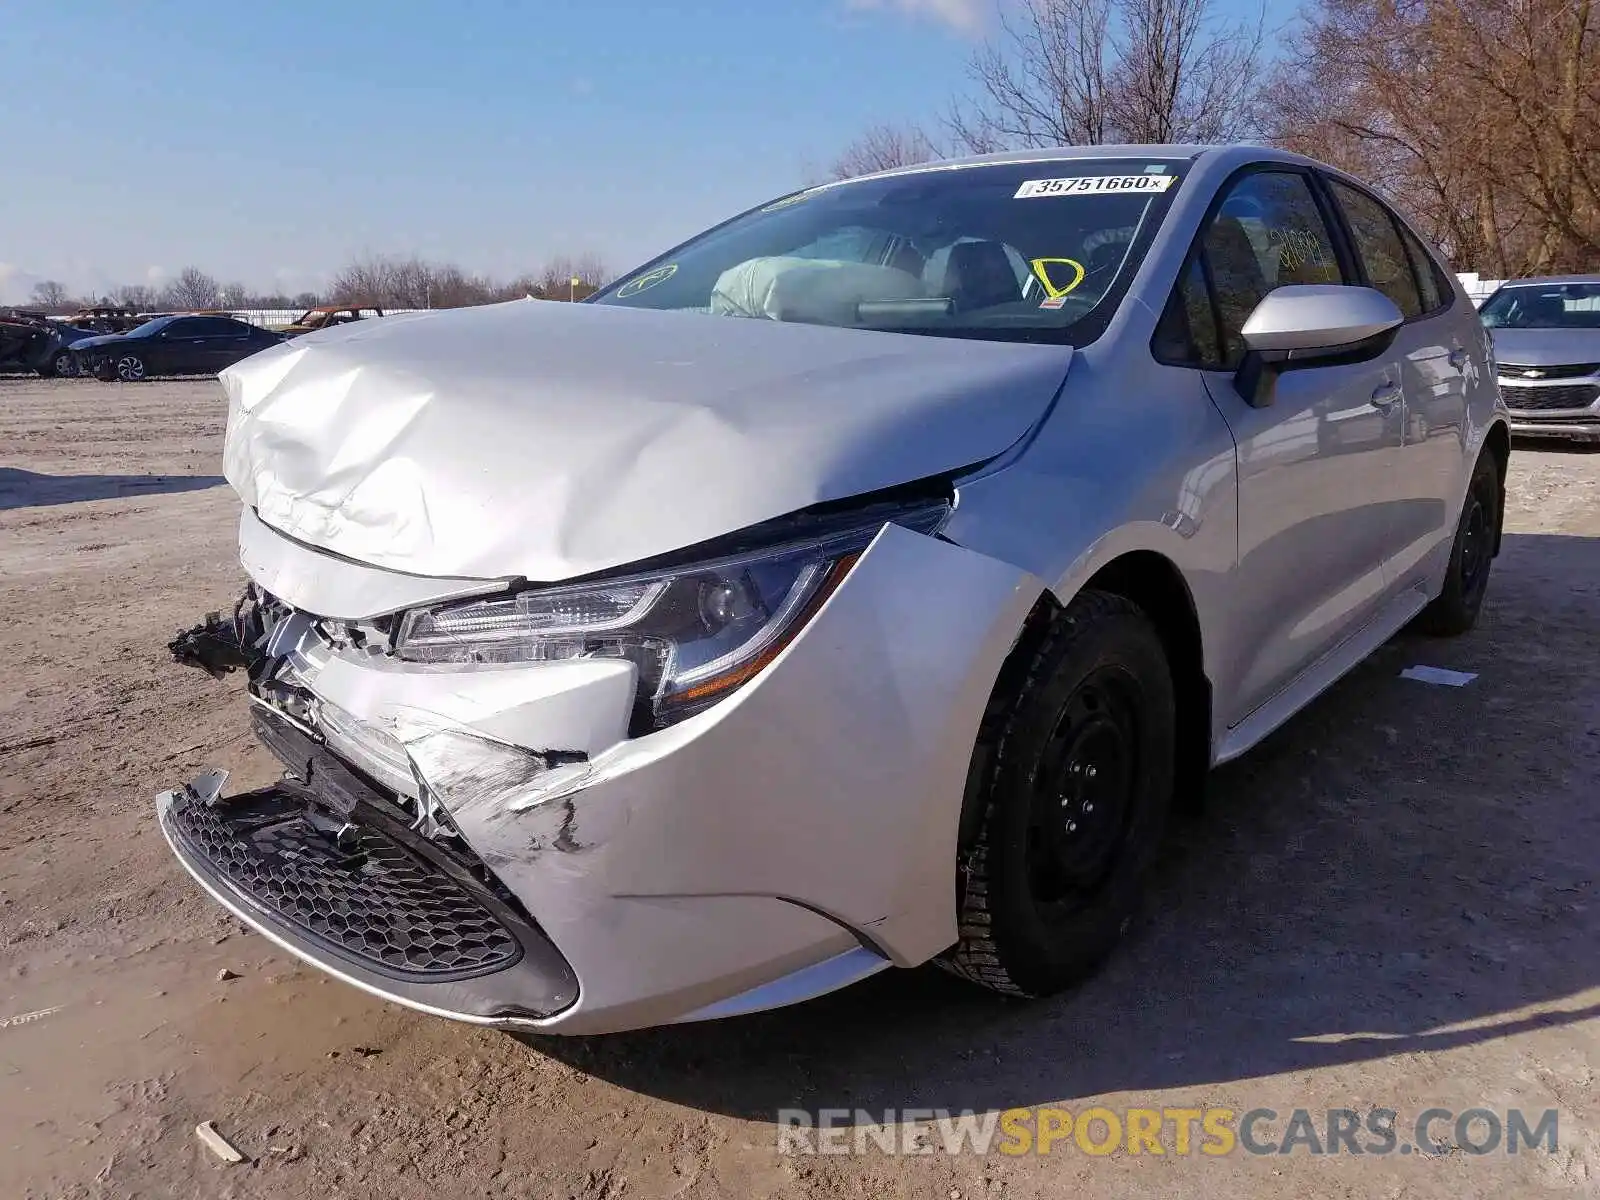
{"points": [[817, 806]]}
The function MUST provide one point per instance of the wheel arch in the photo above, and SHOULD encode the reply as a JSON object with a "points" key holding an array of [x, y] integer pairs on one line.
{"points": [[1153, 582], [1498, 443]]}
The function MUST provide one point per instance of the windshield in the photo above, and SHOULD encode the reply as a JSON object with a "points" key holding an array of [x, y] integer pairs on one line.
{"points": [[1543, 306], [149, 327], [1038, 251]]}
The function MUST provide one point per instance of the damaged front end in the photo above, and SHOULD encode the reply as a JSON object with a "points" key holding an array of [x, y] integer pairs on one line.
{"points": [[571, 808], [370, 882]]}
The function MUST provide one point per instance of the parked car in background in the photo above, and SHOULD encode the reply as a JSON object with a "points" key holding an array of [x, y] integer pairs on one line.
{"points": [[60, 360], [329, 315], [21, 338], [31, 341], [173, 345], [858, 584], [1547, 343]]}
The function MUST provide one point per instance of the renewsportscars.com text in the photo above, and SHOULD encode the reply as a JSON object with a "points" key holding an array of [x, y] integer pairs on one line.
{"points": [[1212, 1132]]}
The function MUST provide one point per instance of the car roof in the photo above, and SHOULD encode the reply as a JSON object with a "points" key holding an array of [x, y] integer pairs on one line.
{"points": [[1551, 279], [1235, 154]]}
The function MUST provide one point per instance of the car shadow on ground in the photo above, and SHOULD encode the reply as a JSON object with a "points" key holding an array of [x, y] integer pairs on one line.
{"points": [[30, 489], [1403, 867]]}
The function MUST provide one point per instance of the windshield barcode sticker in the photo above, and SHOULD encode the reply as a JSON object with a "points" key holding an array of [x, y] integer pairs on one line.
{"points": [[1092, 185]]}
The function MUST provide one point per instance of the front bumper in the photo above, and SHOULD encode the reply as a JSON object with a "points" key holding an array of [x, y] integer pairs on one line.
{"points": [[97, 362], [793, 838], [1566, 407], [366, 899], [1565, 430]]}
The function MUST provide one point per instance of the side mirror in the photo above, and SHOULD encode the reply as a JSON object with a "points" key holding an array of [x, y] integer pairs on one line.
{"points": [[1312, 325]]}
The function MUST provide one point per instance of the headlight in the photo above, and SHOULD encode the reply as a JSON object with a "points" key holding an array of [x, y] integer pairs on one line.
{"points": [[696, 631]]}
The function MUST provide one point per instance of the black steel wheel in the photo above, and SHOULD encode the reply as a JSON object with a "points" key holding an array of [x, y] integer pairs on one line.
{"points": [[1075, 803], [1455, 610]]}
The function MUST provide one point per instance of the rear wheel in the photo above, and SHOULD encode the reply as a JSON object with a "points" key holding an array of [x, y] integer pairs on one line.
{"points": [[1456, 609], [1074, 804]]}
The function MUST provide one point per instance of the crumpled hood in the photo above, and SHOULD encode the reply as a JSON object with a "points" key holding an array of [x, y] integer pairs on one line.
{"points": [[549, 440], [1546, 347]]}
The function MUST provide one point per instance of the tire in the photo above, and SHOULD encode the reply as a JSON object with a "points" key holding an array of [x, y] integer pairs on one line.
{"points": [[1455, 610], [1073, 806], [58, 366], [129, 368]]}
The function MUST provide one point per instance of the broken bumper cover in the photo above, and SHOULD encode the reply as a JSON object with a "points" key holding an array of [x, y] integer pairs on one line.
{"points": [[366, 901], [795, 837]]}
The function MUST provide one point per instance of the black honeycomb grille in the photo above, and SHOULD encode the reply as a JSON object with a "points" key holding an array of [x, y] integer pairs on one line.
{"points": [[365, 897], [1570, 395]]}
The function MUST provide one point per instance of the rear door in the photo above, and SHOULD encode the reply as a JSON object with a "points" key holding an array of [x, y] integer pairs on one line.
{"points": [[229, 341], [1316, 466], [1435, 361], [176, 348]]}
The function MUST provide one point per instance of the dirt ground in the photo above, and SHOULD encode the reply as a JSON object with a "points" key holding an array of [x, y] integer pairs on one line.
{"points": [[1391, 904]]}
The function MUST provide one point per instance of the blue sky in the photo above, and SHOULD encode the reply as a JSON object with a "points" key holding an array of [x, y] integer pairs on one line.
{"points": [[270, 143]]}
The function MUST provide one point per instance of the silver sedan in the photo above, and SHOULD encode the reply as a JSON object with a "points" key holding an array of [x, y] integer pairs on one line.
{"points": [[859, 584], [1547, 345]]}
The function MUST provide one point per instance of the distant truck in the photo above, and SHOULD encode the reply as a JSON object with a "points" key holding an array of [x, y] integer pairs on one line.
{"points": [[329, 315]]}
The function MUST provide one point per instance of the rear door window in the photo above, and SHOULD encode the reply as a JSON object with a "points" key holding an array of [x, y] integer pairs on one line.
{"points": [[219, 327], [1382, 253], [1437, 294]]}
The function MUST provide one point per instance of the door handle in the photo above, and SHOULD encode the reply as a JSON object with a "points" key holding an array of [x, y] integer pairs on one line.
{"points": [[1458, 358], [1385, 396]]}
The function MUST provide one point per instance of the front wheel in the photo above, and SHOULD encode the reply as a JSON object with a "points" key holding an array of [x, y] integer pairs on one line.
{"points": [[1074, 803], [130, 368], [1455, 610]]}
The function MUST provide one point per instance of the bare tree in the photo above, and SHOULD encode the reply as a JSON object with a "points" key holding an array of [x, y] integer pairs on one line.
{"points": [[1481, 117], [882, 148], [555, 279], [1181, 78], [1042, 82], [51, 294], [392, 282], [415, 283], [192, 289], [136, 296], [236, 295], [1087, 72]]}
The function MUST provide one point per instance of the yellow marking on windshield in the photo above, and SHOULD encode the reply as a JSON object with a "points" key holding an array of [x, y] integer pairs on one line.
{"points": [[1051, 290], [648, 280]]}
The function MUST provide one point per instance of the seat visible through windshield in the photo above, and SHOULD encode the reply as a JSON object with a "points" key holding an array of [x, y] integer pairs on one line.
{"points": [[1019, 249]]}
